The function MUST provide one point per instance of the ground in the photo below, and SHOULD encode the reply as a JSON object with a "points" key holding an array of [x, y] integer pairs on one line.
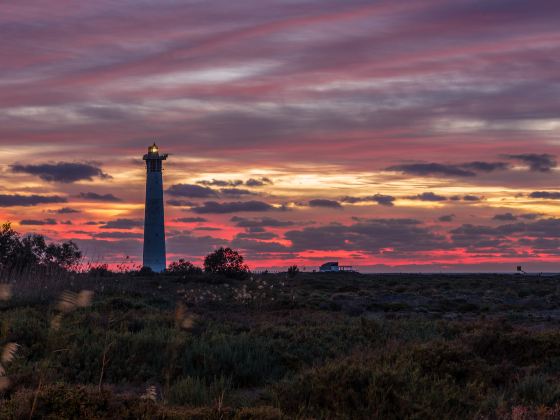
{"points": [[318, 345]]}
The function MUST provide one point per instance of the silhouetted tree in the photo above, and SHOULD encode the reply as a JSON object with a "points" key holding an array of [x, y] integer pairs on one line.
{"points": [[146, 271], [65, 255], [33, 250], [100, 270], [9, 244], [183, 267], [293, 271], [226, 261]]}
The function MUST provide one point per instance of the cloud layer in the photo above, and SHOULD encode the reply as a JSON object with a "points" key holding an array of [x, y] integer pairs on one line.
{"points": [[62, 171], [377, 133]]}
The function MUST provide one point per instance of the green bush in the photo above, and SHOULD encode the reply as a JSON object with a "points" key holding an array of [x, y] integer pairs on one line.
{"points": [[161, 353], [384, 387], [537, 390], [27, 327], [519, 348], [248, 360], [195, 391]]}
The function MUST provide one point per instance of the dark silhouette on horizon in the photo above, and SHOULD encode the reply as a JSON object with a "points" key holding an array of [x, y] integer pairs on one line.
{"points": [[154, 224]]}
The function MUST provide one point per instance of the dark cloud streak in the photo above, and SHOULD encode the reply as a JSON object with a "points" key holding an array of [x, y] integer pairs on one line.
{"points": [[191, 191], [324, 203], [7, 200], [63, 172], [537, 162], [233, 207], [91, 196]]}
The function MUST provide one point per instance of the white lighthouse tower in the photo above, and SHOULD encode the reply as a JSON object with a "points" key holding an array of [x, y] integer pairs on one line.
{"points": [[154, 227]]}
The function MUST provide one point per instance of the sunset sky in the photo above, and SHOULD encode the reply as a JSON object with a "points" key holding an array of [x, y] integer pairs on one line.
{"points": [[416, 135]]}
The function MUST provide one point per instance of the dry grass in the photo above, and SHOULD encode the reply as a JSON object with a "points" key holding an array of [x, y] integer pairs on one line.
{"points": [[184, 319], [10, 349], [150, 394], [9, 352], [70, 301]]}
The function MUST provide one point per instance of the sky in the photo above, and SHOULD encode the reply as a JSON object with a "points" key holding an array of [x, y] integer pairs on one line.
{"points": [[391, 136]]}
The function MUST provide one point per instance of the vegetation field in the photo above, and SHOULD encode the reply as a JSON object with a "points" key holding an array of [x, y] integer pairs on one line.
{"points": [[278, 346]]}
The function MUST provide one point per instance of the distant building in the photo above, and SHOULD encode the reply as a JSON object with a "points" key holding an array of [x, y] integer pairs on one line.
{"points": [[154, 228], [330, 267]]}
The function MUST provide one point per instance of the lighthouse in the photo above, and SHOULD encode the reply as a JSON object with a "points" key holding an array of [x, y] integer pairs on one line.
{"points": [[154, 225]]}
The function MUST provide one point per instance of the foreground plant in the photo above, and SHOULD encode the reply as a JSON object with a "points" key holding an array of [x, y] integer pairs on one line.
{"points": [[8, 355], [68, 302], [183, 319], [10, 349], [5, 291], [150, 394]]}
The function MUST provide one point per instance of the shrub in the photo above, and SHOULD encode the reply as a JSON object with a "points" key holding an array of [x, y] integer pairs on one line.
{"points": [[246, 359], [29, 328], [195, 391], [457, 362], [183, 267], [100, 270], [381, 387], [226, 261], [158, 352], [293, 271], [536, 390], [520, 348], [146, 271]]}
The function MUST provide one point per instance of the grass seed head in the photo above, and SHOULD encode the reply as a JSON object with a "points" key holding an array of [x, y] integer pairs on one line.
{"points": [[150, 394], [188, 322], [56, 322], [4, 383], [180, 313], [9, 352], [68, 301], [84, 298], [5, 291], [182, 318]]}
